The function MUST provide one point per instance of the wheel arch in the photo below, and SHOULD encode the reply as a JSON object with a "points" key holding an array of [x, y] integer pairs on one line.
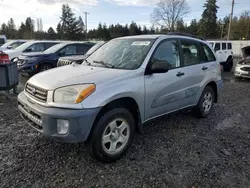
{"points": [[213, 85], [125, 102]]}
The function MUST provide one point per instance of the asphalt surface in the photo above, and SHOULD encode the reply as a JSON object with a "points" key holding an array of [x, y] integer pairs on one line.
{"points": [[175, 151]]}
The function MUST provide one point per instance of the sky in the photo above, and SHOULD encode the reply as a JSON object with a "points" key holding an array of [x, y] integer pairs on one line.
{"points": [[104, 11]]}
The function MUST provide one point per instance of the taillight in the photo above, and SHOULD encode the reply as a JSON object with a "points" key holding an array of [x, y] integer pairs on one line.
{"points": [[4, 58]]}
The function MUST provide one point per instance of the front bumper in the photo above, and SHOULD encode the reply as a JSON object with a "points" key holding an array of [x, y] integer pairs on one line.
{"points": [[240, 73], [44, 120]]}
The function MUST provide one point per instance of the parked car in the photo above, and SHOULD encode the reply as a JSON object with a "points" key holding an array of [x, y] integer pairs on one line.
{"points": [[12, 44], [33, 63], [28, 47], [3, 40], [124, 84], [242, 69], [224, 53], [78, 58]]}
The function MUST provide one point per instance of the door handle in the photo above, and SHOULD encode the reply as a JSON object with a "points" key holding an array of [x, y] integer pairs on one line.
{"points": [[179, 74], [204, 68]]}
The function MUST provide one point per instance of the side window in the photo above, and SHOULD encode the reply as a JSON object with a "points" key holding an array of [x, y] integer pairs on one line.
{"points": [[208, 53], [81, 49], [168, 51], [224, 46], [217, 46], [191, 53], [35, 48], [229, 46], [69, 50], [48, 45]]}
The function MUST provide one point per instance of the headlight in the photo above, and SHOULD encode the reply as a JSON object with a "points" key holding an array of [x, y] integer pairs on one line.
{"points": [[73, 94], [15, 60]]}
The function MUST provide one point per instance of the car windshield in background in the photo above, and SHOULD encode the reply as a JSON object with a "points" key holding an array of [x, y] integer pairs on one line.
{"points": [[121, 53], [55, 48]]}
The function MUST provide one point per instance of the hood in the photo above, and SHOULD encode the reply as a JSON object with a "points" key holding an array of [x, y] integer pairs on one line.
{"points": [[75, 74], [35, 54], [73, 58], [245, 51]]}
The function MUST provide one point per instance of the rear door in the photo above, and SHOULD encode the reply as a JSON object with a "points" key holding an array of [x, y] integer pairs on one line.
{"points": [[193, 68], [225, 51], [218, 51]]}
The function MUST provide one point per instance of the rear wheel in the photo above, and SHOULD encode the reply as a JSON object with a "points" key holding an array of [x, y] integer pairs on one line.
{"points": [[112, 135], [205, 103], [228, 65], [44, 67]]}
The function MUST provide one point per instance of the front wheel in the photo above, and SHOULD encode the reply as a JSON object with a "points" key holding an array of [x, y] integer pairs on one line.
{"points": [[205, 103], [44, 67], [112, 135], [228, 65]]}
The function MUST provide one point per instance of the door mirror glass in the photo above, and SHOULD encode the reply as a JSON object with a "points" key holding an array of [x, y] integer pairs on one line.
{"points": [[9, 47], [159, 67]]}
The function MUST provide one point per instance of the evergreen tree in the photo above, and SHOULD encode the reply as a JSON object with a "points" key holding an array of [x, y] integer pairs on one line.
{"points": [[193, 27], [51, 33], [70, 27], [180, 27], [208, 24]]}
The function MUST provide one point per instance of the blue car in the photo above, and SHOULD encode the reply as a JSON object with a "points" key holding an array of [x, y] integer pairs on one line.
{"points": [[36, 62]]}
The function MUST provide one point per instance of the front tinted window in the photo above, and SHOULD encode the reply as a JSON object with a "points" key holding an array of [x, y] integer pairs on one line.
{"points": [[68, 50], [82, 49], [217, 46], [191, 53], [209, 56], [229, 46], [48, 45], [224, 46], [122, 53], [168, 51]]}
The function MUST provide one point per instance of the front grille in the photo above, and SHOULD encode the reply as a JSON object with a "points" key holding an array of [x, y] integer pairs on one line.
{"points": [[30, 117], [36, 92], [63, 62], [245, 69]]}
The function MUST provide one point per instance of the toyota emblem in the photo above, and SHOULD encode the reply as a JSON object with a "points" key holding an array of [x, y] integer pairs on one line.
{"points": [[33, 91]]}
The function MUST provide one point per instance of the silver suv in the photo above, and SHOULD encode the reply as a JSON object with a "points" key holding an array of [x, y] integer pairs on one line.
{"points": [[122, 85]]}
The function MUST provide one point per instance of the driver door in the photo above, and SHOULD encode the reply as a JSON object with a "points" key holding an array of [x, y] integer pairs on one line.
{"points": [[165, 91]]}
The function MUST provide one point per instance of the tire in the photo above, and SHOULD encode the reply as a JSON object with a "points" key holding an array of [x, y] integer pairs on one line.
{"points": [[228, 65], [109, 128], [44, 67], [203, 109]]}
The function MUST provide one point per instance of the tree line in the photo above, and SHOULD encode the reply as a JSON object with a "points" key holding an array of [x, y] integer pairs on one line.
{"points": [[163, 19]]}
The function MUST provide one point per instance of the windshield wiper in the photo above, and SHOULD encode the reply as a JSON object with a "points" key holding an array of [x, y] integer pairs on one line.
{"points": [[104, 64], [88, 63]]}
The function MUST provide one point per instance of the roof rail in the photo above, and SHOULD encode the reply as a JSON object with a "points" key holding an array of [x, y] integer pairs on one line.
{"points": [[185, 34]]}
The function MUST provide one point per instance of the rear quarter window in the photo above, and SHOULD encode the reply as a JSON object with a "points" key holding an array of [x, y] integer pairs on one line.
{"points": [[209, 55], [229, 46]]}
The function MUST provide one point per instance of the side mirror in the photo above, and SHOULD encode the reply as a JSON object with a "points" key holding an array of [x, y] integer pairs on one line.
{"points": [[159, 67], [9, 47]]}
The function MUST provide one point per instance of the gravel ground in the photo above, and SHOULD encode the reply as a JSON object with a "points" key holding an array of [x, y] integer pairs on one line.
{"points": [[177, 150]]}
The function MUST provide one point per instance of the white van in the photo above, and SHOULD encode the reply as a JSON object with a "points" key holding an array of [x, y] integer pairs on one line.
{"points": [[3, 39]]}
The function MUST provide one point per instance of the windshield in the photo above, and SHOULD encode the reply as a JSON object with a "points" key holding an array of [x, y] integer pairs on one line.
{"points": [[55, 48], [24, 46], [122, 53]]}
